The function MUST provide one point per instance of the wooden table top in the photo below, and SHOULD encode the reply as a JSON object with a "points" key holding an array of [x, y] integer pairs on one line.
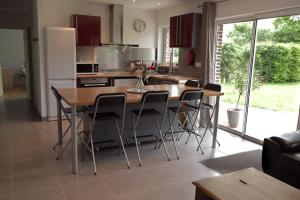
{"points": [[256, 186], [87, 96]]}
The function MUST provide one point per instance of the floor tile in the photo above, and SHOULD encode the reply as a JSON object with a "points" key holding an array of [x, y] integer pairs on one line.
{"points": [[49, 194], [88, 190], [34, 181], [5, 187], [32, 164]]}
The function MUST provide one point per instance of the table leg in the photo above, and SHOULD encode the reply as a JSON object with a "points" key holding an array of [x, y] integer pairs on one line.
{"points": [[74, 141], [216, 117], [59, 124]]}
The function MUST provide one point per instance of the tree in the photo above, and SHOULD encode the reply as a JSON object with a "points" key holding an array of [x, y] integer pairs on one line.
{"points": [[287, 29], [229, 60], [242, 34]]}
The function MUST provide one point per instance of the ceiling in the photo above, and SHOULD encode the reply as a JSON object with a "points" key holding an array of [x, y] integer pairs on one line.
{"points": [[147, 4]]}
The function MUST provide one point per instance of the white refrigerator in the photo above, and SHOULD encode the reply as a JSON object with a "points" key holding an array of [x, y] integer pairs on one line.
{"points": [[60, 51]]}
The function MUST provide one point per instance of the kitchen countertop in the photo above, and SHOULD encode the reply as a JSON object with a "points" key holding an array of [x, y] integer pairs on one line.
{"points": [[173, 77], [123, 74]]}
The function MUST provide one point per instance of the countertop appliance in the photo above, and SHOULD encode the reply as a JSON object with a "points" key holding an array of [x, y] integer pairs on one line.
{"points": [[60, 49], [84, 68]]}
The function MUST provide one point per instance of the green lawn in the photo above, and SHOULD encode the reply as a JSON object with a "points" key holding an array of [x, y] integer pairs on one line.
{"points": [[283, 97]]}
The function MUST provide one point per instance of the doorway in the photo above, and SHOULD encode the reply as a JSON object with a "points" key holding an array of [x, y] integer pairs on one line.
{"points": [[15, 64], [260, 75]]}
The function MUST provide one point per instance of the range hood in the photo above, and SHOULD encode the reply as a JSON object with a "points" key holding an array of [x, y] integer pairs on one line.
{"points": [[116, 26]]}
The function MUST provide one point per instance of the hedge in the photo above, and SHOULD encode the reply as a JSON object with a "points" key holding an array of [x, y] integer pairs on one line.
{"points": [[277, 63], [274, 63]]}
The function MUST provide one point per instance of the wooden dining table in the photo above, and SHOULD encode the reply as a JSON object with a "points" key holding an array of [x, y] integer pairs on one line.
{"points": [[75, 97]]}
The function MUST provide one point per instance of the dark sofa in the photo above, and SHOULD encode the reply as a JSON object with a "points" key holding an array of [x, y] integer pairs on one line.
{"points": [[281, 158]]}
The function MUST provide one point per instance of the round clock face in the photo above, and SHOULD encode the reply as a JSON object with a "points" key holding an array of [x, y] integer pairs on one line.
{"points": [[139, 25]]}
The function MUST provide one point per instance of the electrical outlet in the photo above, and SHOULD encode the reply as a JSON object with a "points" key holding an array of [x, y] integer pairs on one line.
{"points": [[198, 64]]}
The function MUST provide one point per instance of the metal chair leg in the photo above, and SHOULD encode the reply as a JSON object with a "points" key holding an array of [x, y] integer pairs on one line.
{"points": [[122, 144], [93, 154], [196, 136], [162, 139], [65, 133], [172, 132], [136, 142], [63, 150]]}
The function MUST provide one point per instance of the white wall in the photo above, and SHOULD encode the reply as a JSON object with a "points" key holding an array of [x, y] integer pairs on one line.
{"points": [[146, 39], [12, 49], [243, 8]]}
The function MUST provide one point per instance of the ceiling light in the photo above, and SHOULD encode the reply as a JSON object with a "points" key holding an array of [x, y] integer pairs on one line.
{"points": [[133, 1], [158, 3]]}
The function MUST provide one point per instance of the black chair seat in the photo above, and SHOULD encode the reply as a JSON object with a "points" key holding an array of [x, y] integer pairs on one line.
{"points": [[105, 116], [206, 106], [147, 112], [183, 109], [79, 109]]}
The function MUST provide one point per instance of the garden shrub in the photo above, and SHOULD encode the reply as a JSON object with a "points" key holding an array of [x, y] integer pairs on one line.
{"points": [[278, 63]]}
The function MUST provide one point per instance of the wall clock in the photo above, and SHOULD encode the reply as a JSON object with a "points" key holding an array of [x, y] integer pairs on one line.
{"points": [[139, 25]]}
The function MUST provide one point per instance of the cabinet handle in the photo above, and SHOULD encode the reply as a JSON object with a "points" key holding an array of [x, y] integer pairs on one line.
{"points": [[177, 27], [180, 31], [76, 27]]}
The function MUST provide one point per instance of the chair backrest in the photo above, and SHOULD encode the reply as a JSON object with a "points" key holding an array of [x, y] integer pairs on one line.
{"points": [[56, 94], [193, 83], [59, 101], [155, 97], [191, 95], [212, 86], [112, 99]]}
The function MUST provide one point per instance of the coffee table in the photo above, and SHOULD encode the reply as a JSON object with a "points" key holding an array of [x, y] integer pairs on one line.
{"points": [[245, 184]]}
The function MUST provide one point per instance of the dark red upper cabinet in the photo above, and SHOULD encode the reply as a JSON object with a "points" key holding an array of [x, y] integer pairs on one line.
{"points": [[185, 30], [88, 30]]}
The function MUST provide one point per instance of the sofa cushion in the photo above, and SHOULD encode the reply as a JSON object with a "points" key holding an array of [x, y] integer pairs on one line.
{"points": [[289, 142], [290, 163]]}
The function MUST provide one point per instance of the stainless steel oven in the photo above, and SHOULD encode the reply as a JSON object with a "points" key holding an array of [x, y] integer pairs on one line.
{"points": [[87, 68], [94, 82]]}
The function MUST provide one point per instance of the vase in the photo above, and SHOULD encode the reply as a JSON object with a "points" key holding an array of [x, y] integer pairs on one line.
{"points": [[140, 85]]}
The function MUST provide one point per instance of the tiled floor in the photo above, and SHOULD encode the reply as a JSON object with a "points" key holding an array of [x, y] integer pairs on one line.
{"points": [[28, 169]]}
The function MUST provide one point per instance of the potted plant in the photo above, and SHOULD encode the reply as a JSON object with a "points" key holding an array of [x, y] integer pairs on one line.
{"points": [[240, 81], [240, 84]]}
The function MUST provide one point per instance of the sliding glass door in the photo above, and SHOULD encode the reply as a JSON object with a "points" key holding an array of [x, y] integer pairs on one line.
{"points": [[258, 66], [275, 97], [234, 70]]}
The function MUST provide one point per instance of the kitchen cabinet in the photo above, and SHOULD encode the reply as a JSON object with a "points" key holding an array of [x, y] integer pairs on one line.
{"points": [[88, 30], [185, 30]]}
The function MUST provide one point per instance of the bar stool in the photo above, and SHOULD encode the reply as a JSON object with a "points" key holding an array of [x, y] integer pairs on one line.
{"points": [[208, 107], [106, 101], [146, 110], [81, 112], [187, 96], [195, 84]]}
